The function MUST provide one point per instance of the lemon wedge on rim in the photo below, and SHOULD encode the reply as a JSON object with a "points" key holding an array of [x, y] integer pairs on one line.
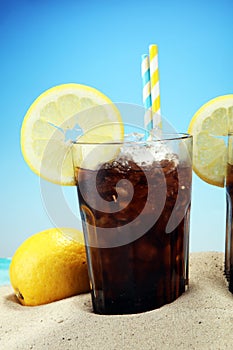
{"points": [[210, 124], [54, 116]]}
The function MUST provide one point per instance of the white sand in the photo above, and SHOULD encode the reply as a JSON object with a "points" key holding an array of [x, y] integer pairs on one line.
{"points": [[202, 318]]}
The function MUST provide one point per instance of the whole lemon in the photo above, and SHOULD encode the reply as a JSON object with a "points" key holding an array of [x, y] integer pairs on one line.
{"points": [[50, 265]]}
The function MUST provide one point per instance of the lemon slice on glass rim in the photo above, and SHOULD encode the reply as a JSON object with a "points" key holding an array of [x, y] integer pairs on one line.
{"points": [[209, 126], [58, 113]]}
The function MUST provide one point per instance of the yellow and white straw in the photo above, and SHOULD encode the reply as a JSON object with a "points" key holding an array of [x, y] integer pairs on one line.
{"points": [[155, 90]]}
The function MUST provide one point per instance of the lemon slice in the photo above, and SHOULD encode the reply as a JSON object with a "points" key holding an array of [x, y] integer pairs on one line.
{"points": [[61, 110], [209, 125]]}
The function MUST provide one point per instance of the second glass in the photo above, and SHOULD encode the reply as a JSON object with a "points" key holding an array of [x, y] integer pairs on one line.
{"points": [[134, 200], [229, 215]]}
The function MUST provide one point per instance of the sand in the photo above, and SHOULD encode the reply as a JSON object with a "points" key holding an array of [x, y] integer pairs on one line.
{"points": [[202, 318]]}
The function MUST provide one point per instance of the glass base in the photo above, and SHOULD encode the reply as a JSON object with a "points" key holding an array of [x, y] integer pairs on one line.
{"points": [[230, 280], [132, 306]]}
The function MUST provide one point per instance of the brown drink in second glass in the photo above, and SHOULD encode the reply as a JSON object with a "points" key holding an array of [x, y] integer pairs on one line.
{"points": [[229, 226], [229, 214], [138, 243]]}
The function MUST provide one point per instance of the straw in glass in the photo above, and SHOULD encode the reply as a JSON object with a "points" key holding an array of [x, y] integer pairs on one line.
{"points": [[155, 89], [146, 93]]}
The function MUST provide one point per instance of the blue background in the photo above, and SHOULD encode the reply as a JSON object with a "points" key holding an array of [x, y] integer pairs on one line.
{"points": [[99, 43]]}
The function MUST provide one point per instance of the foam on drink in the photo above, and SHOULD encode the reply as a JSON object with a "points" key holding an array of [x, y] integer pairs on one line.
{"points": [[146, 154]]}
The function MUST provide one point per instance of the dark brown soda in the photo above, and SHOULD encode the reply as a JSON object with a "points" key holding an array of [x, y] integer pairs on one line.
{"points": [[151, 270], [229, 227]]}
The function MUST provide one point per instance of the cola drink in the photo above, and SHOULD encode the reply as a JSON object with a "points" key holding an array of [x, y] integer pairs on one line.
{"points": [[136, 227]]}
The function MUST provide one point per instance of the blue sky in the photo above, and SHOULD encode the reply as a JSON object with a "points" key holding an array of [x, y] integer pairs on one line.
{"points": [[99, 43]]}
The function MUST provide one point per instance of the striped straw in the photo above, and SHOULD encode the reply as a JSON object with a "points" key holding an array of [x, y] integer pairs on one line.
{"points": [[146, 92], [155, 91]]}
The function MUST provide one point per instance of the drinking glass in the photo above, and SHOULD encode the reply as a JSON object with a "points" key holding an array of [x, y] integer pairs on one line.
{"points": [[229, 212], [134, 199]]}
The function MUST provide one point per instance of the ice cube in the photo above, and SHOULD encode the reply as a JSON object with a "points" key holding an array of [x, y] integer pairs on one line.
{"points": [[145, 153], [134, 136]]}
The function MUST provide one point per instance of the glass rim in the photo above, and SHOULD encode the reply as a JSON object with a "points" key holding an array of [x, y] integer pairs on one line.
{"points": [[165, 137]]}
